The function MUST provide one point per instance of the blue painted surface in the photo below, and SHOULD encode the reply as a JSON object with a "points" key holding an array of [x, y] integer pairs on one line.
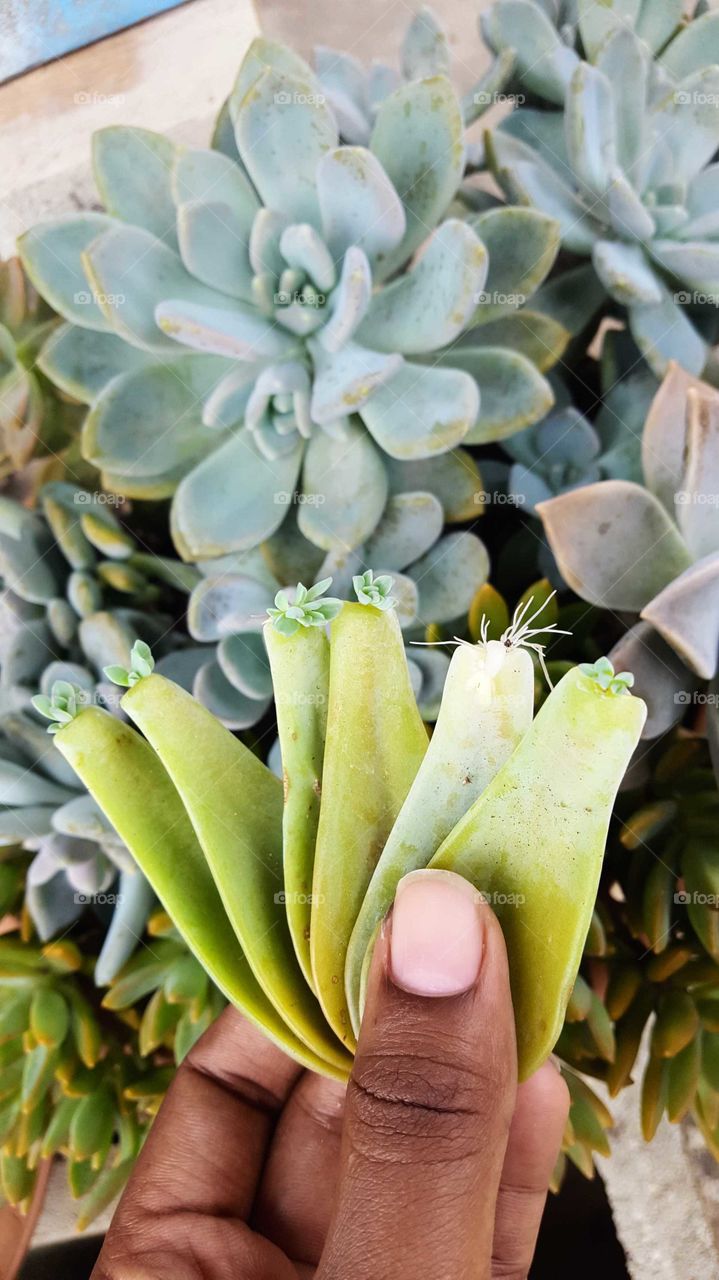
{"points": [[34, 31]]}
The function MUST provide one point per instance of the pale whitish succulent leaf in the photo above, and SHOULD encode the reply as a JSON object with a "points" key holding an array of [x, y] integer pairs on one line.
{"points": [[131, 271], [405, 599], [686, 614], [84, 593], [485, 92], [28, 560], [51, 903], [19, 786], [543, 133], [522, 246], [695, 47], [31, 738], [344, 381], [81, 362], [532, 334], [200, 175], [287, 554], [698, 496], [233, 499], [30, 823], [243, 660], [544, 62], [223, 134], [283, 128], [418, 139], [51, 254], [358, 204], [627, 215], [410, 525], [120, 434], [449, 575], [230, 604], [662, 681], [430, 672], [532, 182], [262, 54], [614, 543], [591, 129], [624, 60], [182, 665], [626, 274], [425, 50], [620, 425], [133, 173], [597, 22], [658, 21], [82, 818], [134, 902], [214, 248], [702, 204], [344, 484], [696, 263], [664, 434], [70, 672], [226, 404], [513, 392], [350, 301], [688, 122], [303, 248], [23, 657], [453, 478], [664, 332], [344, 80], [424, 410], [238, 334], [106, 635], [430, 305], [63, 516], [232, 708]]}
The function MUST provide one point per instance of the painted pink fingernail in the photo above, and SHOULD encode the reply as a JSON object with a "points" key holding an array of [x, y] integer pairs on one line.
{"points": [[436, 934]]}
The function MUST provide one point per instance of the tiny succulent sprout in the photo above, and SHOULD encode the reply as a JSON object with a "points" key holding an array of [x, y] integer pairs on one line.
{"points": [[309, 608], [141, 664], [602, 673], [374, 591], [62, 706]]}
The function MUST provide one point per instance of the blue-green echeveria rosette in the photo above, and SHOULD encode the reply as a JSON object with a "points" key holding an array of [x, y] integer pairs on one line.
{"points": [[619, 148], [241, 332], [651, 548]]}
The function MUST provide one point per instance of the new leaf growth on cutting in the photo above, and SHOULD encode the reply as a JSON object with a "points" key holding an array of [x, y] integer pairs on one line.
{"points": [[279, 888]]}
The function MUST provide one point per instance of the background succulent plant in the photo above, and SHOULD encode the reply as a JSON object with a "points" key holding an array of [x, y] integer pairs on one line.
{"points": [[670, 524], [35, 419], [258, 317], [66, 573], [624, 164]]}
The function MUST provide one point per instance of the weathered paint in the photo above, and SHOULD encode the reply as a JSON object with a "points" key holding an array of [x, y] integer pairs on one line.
{"points": [[35, 31]]}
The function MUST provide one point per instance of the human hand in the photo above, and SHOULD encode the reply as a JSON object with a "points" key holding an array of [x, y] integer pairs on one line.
{"points": [[433, 1164]]}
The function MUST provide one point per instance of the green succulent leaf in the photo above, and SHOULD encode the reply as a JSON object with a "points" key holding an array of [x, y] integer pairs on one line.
{"points": [[63, 704], [142, 664], [603, 674]]}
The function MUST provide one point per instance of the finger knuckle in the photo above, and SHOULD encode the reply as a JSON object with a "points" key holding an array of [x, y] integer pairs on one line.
{"points": [[407, 1104]]}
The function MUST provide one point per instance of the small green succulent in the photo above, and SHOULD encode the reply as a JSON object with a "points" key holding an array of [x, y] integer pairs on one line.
{"points": [[142, 664], [374, 590], [308, 608], [619, 148]]}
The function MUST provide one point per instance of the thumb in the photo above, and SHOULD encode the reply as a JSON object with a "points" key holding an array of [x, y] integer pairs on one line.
{"points": [[431, 1096]]}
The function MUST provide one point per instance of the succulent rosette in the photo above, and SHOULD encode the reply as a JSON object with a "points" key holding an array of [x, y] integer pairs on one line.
{"points": [[619, 148], [290, 322], [652, 549]]}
